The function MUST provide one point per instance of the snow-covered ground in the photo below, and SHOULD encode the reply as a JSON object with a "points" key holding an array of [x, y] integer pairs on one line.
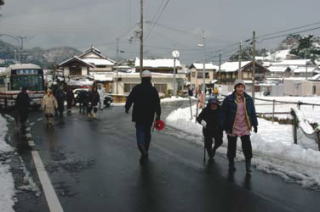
{"points": [[274, 151], [164, 100], [7, 191]]}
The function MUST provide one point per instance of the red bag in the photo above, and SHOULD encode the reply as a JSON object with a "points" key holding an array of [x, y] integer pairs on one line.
{"points": [[159, 125]]}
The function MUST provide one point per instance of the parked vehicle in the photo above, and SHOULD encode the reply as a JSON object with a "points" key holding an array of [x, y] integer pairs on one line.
{"points": [[16, 76]]}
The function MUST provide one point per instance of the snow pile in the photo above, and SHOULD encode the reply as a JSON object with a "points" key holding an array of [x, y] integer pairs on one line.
{"points": [[173, 99], [303, 123], [7, 191], [273, 148]]}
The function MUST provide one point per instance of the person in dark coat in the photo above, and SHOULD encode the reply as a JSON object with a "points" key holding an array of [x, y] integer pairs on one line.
{"points": [[22, 108], [211, 118], [83, 100], [94, 99], [70, 99], [146, 104], [60, 96], [239, 118]]}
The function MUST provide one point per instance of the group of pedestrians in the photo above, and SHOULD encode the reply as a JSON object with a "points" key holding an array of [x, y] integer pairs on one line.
{"points": [[90, 101], [236, 117]]}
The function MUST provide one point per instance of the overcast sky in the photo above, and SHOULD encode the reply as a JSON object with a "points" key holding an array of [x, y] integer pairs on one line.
{"points": [[80, 23]]}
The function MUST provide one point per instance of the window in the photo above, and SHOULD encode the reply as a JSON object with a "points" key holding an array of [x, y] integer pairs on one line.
{"points": [[128, 87], [161, 88], [32, 82], [101, 66], [200, 75], [2, 81]]}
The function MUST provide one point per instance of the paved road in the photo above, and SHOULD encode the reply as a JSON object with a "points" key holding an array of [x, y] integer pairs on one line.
{"points": [[94, 166]]}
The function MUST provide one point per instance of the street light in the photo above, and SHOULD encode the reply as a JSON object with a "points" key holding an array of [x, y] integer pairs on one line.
{"points": [[175, 55]]}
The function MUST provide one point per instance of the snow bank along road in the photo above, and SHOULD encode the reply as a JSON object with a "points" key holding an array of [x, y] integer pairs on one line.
{"points": [[274, 151]]}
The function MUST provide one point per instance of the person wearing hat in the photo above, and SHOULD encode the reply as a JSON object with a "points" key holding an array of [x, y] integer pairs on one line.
{"points": [[240, 118], [211, 118], [146, 105], [22, 108], [49, 105]]}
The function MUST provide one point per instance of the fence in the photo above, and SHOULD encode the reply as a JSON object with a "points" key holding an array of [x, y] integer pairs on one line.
{"points": [[296, 120]]}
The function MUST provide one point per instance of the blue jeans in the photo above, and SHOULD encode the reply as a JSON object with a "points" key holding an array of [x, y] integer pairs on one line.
{"points": [[143, 133]]}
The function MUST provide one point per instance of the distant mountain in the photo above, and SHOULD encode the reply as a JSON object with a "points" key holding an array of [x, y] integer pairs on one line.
{"points": [[43, 57]]}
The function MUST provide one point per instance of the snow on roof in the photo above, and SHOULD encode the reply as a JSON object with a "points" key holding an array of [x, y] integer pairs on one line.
{"points": [[80, 82], [207, 66], [277, 68], [298, 62], [98, 61], [104, 77], [153, 75], [295, 78], [75, 58], [233, 66], [24, 66], [157, 63], [304, 69]]}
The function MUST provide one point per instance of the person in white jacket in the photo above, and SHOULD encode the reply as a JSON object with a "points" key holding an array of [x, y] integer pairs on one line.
{"points": [[101, 92]]}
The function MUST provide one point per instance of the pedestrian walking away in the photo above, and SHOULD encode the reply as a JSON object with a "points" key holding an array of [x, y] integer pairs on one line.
{"points": [[49, 105], [70, 99], [211, 118], [60, 97], [146, 106], [22, 109], [239, 118], [83, 99], [94, 99]]}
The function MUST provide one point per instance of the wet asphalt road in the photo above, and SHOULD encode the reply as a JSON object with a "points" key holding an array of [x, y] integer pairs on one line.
{"points": [[94, 166]]}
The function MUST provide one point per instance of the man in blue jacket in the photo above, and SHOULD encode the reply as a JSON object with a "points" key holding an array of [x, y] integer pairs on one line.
{"points": [[239, 118], [146, 104]]}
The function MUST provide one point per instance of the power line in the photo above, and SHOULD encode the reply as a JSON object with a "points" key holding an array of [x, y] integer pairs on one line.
{"points": [[297, 32], [288, 30], [158, 18]]}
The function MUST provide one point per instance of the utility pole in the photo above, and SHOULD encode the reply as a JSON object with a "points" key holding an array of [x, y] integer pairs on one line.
{"points": [[240, 58], [204, 64], [141, 36], [220, 62], [219, 71], [253, 64], [21, 38]]}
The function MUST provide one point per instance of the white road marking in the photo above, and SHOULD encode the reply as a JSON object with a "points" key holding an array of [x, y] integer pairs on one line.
{"points": [[50, 194]]}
